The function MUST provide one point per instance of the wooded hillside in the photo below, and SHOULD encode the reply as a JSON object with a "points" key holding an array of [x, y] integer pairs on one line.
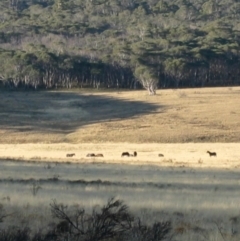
{"points": [[116, 43]]}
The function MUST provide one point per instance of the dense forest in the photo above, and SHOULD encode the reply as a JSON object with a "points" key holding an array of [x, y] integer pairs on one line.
{"points": [[119, 43]]}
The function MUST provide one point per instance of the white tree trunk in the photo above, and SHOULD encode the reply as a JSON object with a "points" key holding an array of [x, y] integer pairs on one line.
{"points": [[150, 85]]}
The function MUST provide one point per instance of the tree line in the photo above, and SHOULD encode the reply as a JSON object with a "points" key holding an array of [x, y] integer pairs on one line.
{"points": [[119, 43]]}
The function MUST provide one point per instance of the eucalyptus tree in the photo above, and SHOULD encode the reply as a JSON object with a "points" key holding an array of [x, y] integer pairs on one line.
{"points": [[147, 76]]}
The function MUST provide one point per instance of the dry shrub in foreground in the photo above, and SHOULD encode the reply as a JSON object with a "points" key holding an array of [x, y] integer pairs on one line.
{"points": [[3, 214], [111, 222], [15, 235]]}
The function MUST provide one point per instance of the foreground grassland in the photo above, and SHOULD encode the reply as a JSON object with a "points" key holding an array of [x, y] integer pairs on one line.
{"points": [[172, 116]]}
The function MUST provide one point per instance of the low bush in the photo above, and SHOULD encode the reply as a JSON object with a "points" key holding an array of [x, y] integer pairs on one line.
{"points": [[111, 222]]}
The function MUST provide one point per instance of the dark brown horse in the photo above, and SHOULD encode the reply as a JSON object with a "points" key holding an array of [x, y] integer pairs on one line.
{"points": [[212, 153], [95, 155], [125, 154], [70, 155], [99, 155], [128, 154], [90, 155], [134, 154]]}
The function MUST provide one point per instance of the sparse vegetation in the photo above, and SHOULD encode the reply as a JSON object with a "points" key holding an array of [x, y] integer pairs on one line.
{"points": [[111, 222], [177, 203], [115, 222], [2, 213]]}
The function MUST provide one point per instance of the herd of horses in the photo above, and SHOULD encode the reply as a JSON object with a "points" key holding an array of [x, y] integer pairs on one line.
{"points": [[127, 154], [101, 155]]}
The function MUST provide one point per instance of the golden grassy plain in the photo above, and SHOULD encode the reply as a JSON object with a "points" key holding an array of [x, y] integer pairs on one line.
{"points": [[182, 124]]}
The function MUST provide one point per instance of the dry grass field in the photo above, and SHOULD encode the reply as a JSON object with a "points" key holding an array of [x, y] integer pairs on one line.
{"points": [[172, 116], [199, 194], [181, 124]]}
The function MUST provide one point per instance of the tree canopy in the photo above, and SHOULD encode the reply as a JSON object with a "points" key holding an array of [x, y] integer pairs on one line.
{"points": [[119, 43]]}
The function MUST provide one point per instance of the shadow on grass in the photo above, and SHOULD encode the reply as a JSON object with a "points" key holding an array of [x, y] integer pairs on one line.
{"points": [[211, 191], [64, 111], [150, 176]]}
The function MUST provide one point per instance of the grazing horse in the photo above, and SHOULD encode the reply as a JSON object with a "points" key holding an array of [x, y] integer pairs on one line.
{"points": [[128, 154], [90, 155], [134, 154], [99, 155], [125, 154], [160, 155], [70, 155], [212, 153]]}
